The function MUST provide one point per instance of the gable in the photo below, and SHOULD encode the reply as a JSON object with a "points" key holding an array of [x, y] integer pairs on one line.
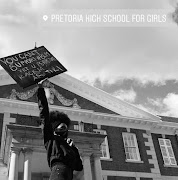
{"points": [[100, 98], [58, 96]]}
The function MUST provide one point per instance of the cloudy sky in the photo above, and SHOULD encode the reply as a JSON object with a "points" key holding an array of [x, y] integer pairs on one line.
{"points": [[136, 64]]}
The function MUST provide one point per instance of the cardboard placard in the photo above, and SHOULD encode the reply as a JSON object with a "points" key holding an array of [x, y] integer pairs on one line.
{"points": [[30, 67]]}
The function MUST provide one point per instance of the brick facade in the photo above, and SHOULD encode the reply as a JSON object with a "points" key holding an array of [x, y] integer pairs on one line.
{"points": [[1, 125], [151, 157], [117, 151], [150, 167]]}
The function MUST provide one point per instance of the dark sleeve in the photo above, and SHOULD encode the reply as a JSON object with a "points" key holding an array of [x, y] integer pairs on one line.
{"points": [[79, 165], [44, 113]]}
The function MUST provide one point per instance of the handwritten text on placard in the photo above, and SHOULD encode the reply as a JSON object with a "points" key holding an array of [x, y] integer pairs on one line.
{"points": [[32, 66]]}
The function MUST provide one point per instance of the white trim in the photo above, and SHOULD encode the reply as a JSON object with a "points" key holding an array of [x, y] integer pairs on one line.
{"points": [[131, 145], [100, 97], [172, 166], [89, 116], [130, 174], [169, 177], [166, 153], [131, 161], [17, 106]]}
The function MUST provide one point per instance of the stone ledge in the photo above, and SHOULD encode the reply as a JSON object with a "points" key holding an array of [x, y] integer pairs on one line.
{"points": [[150, 144], [156, 171]]}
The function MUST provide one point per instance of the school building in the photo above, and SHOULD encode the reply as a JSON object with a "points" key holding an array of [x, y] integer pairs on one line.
{"points": [[116, 140]]}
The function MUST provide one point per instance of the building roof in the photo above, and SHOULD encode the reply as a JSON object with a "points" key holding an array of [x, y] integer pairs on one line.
{"points": [[92, 94], [169, 119]]}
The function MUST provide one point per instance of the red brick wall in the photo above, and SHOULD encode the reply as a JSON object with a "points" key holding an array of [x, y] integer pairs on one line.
{"points": [[1, 125], [117, 152], [34, 121], [26, 120]]}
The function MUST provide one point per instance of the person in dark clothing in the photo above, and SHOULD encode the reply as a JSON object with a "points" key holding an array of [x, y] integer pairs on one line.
{"points": [[62, 155]]}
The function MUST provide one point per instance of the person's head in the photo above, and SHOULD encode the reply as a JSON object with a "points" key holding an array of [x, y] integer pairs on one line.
{"points": [[60, 122]]}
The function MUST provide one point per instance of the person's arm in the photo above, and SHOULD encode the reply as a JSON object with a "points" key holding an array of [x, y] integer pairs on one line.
{"points": [[44, 112]]}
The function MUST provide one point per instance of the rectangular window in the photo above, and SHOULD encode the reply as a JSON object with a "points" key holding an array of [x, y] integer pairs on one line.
{"points": [[131, 147], [76, 127], [45, 178], [167, 152], [104, 145], [79, 127]]}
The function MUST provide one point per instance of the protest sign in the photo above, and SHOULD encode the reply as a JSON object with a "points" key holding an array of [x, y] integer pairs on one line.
{"points": [[30, 67]]}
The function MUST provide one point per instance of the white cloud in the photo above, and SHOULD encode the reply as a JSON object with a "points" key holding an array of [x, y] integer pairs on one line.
{"points": [[126, 95], [5, 45], [150, 58], [147, 109], [158, 102], [147, 54], [12, 19], [41, 4], [171, 103], [167, 106]]}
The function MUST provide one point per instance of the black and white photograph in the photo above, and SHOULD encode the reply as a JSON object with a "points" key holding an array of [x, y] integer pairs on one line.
{"points": [[88, 89]]}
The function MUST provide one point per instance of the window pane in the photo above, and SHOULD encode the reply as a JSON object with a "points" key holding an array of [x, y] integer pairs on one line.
{"points": [[130, 150], [133, 143], [126, 144], [131, 156], [134, 150], [168, 142], [167, 152], [128, 137], [173, 162], [135, 156], [76, 127], [164, 152], [103, 149], [125, 140], [170, 152], [130, 144], [127, 156], [104, 153], [161, 142], [126, 149], [104, 146], [166, 161], [125, 137], [132, 138]]}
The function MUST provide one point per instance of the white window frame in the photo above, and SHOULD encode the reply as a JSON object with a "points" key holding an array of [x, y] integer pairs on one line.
{"points": [[131, 147], [167, 152], [104, 146], [76, 127], [79, 127]]}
